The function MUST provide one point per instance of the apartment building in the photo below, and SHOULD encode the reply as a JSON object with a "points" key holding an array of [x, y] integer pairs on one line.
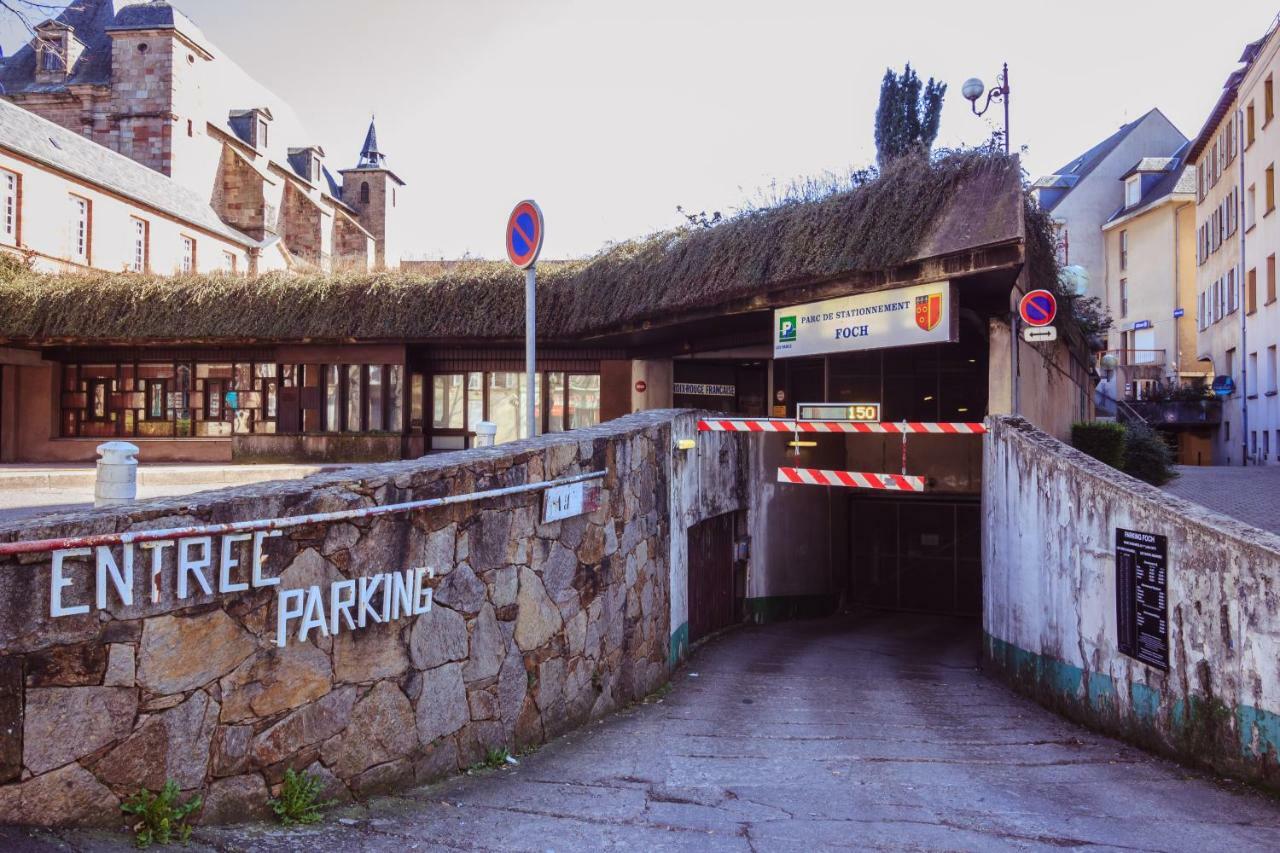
{"points": [[1237, 240], [1150, 286]]}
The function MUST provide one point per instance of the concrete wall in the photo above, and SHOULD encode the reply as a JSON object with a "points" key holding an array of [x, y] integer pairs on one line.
{"points": [[534, 629], [1050, 516]]}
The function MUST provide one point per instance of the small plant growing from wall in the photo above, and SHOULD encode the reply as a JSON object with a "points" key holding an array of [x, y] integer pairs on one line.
{"points": [[299, 799], [162, 819]]}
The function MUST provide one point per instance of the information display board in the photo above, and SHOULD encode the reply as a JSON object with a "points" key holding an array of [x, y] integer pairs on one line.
{"points": [[1142, 601]]}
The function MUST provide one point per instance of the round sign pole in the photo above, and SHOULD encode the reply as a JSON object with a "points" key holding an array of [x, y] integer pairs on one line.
{"points": [[531, 347], [524, 244]]}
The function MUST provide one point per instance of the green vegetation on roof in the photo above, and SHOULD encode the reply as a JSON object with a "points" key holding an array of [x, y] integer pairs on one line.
{"points": [[880, 223]]}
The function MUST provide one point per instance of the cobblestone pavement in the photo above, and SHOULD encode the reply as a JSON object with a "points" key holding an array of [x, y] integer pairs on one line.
{"points": [[866, 732], [1251, 494]]}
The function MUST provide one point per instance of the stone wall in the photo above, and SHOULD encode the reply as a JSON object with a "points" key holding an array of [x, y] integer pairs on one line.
{"points": [[1050, 516], [534, 629]]}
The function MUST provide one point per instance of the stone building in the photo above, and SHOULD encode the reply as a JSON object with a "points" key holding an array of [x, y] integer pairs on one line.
{"points": [[140, 79]]}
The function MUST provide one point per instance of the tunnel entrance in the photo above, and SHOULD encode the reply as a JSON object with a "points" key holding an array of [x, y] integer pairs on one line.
{"points": [[915, 554]]}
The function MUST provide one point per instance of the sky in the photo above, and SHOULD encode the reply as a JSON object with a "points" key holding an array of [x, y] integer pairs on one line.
{"points": [[612, 114]]}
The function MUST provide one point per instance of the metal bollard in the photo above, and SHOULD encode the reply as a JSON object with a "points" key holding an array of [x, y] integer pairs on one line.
{"points": [[486, 434], [117, 481]]}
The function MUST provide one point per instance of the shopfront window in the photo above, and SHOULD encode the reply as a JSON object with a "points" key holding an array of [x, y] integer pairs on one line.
{"points": [[219, 399], [584, 400], [446, 401]]}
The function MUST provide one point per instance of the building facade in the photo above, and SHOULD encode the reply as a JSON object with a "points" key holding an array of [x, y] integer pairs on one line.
{"points": [[1085, 193], [1237, 240], [141, 80], [1150, 286]]}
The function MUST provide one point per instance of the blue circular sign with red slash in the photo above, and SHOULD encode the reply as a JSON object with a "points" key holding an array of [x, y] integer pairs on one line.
{"points": [[1038, 308], [524, 234]]}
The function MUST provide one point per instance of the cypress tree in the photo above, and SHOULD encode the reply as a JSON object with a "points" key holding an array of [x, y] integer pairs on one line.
{"points": [[908, 115]]}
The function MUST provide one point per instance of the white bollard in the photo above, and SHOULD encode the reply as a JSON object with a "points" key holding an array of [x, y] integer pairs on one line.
{"points": [[486, 434], [117, 481]]}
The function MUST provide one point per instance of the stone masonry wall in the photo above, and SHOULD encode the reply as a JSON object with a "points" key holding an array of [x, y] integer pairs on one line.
{"points": [[535, 628], [1050, 516]]}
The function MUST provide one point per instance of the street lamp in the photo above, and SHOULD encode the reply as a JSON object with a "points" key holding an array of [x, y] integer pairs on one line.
{"points": [[973, 89]]}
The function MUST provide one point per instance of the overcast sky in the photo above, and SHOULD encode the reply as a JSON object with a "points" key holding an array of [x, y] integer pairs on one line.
{"points": [[610, 114]]}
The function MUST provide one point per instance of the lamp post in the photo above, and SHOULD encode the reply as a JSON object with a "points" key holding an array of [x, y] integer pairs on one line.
{"points": [[973, 89]]}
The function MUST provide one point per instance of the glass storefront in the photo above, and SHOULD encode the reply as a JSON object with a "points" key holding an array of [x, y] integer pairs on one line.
{"points": [[209, 399], [461, 400]]}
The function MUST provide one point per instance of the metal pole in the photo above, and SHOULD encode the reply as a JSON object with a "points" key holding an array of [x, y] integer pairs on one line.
{"points": [[531, 348], [1005, 85]]}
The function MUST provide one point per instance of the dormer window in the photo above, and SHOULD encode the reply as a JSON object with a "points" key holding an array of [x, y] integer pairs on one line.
{"points": [[263, 132], [316, 169], [51, 57], [1132, 191]]}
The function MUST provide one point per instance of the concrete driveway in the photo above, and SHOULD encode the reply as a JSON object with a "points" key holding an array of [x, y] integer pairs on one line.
{"points": [[874, 731]]}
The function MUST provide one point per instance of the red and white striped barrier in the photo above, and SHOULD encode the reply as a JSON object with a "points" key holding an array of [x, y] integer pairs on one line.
{"points": [[852, 479], [782, 425]]}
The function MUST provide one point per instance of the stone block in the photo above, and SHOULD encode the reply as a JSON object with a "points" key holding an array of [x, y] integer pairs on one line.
{"points": [[62, 724], [504, 585], [538, 619], [384, 778], [382, 729], [81, 665], [10, 719], [237, 799], [436, 761], [121, 666], [442, 703], [306, 726], [370, 654], [438, 636], [461, 590], [275, 680], [488, 647], [230, 750], [179, 653], [173, 745], [68, 795]]}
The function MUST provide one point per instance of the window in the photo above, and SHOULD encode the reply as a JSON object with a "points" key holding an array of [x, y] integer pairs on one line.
{"points": [[8, 207], [1251, 381], [1217, 300], [51, 54], [1124, 250], [1250, 208], [1271, 188], [1124, 297], [191, 130], [156, 400], [1231, 364], [1271, 369], [1251, 292], [188, 255], [447, 401], [1233, 295], [1271, 279], [316, 169], [353, 397], [139, 263], [393, 196], [79, 229], [364, 192], [1200, 320], [262, 133], [229, 261], [1248, 123], [1268, 102], [1132, 190], [373, 421]]}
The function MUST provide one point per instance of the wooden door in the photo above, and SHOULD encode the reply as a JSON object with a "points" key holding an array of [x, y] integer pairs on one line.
{"points": [[711, 576]]}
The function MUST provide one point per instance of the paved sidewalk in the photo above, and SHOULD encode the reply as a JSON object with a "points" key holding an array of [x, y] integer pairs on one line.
{"points": [[873, 732], [32, 491], [1250, 494]]}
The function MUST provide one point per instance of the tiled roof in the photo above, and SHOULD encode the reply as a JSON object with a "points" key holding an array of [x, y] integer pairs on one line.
{"points": [[26, 133], [1082, 165]]}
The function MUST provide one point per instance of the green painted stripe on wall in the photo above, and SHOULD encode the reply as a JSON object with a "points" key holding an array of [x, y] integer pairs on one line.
{"points": [[1244, 740], [679, 645]]}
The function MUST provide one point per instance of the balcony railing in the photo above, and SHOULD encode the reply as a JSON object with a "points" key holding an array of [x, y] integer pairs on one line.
{"points": [[1138, 357], [1171, 413]]}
